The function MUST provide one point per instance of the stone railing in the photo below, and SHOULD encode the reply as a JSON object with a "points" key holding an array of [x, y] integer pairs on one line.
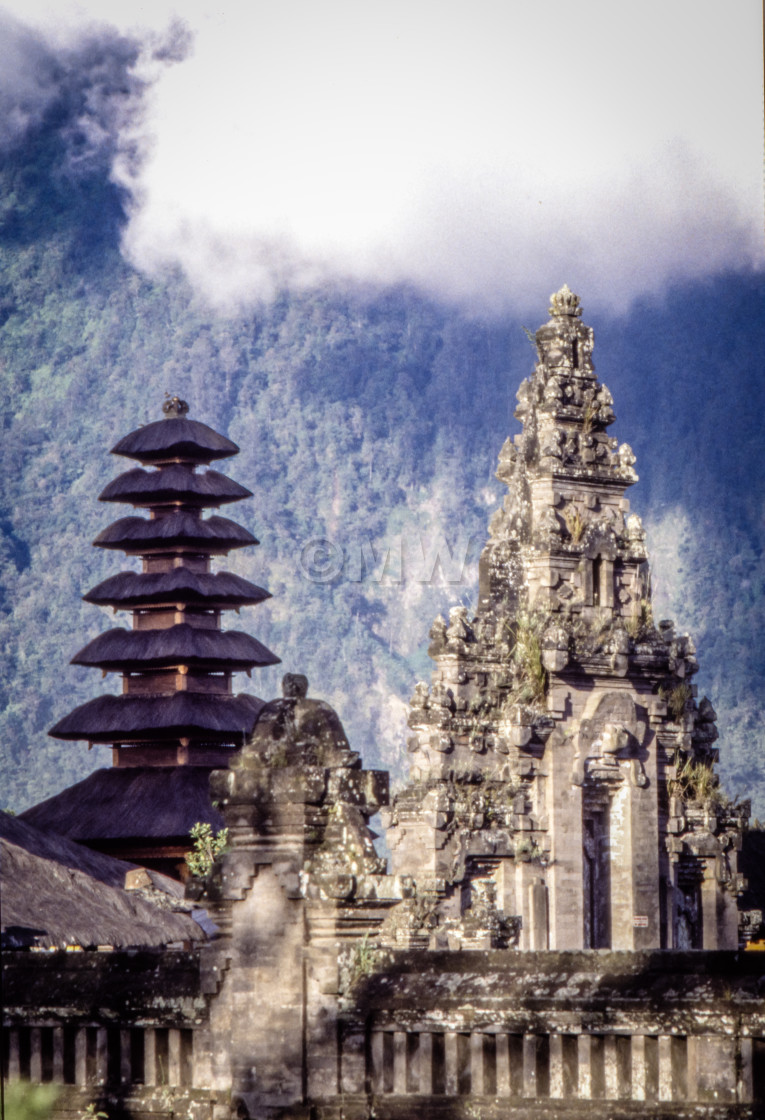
{"points": [[651, 1027], [95, 1055], [123, 1029], [579, 1066]]}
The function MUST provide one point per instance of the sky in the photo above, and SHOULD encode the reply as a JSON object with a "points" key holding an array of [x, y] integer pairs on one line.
{"points": [[476, 150]]}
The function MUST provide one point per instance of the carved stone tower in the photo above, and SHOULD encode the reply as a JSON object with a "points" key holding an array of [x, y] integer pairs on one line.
{"points": [[560, 760]]}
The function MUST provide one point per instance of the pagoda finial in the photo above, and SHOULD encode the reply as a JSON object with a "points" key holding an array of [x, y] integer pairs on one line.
{"points": [[564, 302], [174, 407]]}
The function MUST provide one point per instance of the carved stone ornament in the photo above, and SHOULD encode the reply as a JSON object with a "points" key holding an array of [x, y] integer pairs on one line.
{"points": [[174, 407], [564, 302]]}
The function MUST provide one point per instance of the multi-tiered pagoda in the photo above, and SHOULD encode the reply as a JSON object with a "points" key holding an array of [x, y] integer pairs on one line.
{"points": [[177, 716]]}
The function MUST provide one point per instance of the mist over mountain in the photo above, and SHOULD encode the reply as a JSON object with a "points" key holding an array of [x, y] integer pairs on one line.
{"points": [[369, 418]]}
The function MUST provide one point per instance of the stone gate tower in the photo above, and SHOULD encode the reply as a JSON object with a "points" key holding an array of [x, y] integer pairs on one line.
{"points": [[561, 765]]}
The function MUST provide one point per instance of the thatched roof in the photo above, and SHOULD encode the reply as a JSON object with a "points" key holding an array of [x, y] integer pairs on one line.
{"points": [[174, 530], [57, 894], [179, 585], [121, 649], [175, 438], [174, 483], [193, 715], [130, 803]]}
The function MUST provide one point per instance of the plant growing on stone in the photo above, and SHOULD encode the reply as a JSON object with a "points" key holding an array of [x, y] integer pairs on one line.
{"points": [[676, 699], [527, 657], [640, 621], [588, 417], [92, 1112], [531, 337], [208, 847], [575, 523], [361, 962], [600, 624], [697, 782], [528, 847]]}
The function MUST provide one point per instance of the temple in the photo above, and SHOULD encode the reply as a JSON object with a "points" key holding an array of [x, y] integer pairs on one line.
{"points": [[562, 928], [176, 717], [560, 750]]}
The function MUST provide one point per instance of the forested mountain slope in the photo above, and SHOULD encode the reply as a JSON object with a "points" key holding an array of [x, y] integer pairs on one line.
{"points": [[369, 419]]}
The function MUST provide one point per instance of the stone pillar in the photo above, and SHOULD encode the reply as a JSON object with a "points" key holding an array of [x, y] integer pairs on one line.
{"points": [[506, 887], [584, 1062], [673, 898], [476, 1064], [606, 582], [14, 1069], [377, 1056], [353, 1063], [268, 993], [718, 911], [504, 1084], [745, 1086], [565, 873], [712, 1069], [102, 1055], [523, 877], [665, 1068], [450, 1062], [538, 915], [150, 1056], [529, 1065], [634, 866], [173, 1056], [638, 1087], [399, 1062], [556, 1066], [81, 1058], [426, 1063], [58, 1055], [611, 1068], [695, 1051], [709, 916], [35, 1056], [321, 985]]}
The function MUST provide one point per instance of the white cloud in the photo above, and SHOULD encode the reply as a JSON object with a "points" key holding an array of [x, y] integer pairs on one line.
{"points": [[487, 151]]}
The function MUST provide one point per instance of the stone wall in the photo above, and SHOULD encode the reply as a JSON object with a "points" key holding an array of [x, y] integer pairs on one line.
{"points": [[474, 1034], [118, 1029], [652, 1030]]}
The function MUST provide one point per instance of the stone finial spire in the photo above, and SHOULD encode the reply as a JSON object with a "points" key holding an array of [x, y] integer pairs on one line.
{"points": [[174, 407], [564, 302]]}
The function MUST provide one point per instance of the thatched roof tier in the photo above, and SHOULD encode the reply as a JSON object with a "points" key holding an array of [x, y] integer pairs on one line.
{"points": [[128, 804], [179, 585], [191, 715], [175, 439], [121, 649], [57, 893], [174, 484], [46, 905], [137, 536], [51, 846]]}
